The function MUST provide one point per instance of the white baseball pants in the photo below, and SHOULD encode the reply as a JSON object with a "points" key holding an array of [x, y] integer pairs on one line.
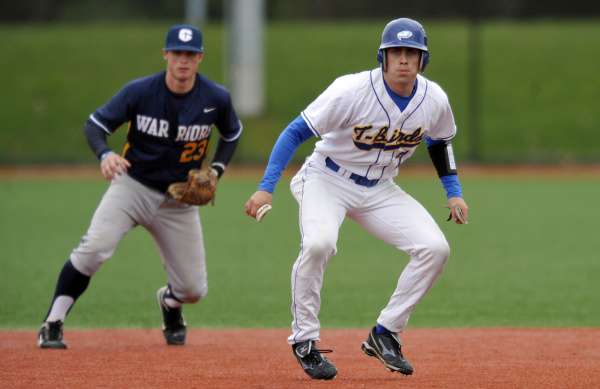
{"points": [[325, 198]]}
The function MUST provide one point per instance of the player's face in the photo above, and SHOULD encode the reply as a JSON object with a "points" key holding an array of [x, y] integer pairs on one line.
{"points": [[402, 65], [182, 65]]}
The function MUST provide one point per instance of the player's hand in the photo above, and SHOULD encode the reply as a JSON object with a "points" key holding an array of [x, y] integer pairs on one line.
{"points": [[459, 210], [257, 200], [113, 164]]}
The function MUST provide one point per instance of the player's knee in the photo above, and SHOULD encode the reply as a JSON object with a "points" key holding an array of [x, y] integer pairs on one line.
{"points": [[320, 244], [89, 263], [194, 293], [92, 252], [439, 250]]}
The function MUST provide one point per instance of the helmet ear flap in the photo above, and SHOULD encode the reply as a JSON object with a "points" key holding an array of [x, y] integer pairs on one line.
{"points": [[425, 55], [424, 60], [381, 58]]}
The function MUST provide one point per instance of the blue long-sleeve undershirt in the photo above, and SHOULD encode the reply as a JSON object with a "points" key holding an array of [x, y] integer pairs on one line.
{"points": [[296, 133]]}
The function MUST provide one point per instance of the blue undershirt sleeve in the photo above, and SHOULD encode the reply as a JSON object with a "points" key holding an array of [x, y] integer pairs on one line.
{"points": [[431, 142], [451, 183], [296, 133], [452, 186]]}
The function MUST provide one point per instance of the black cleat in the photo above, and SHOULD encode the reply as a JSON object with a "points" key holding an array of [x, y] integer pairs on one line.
{"points": [[173, 327], [51, 335], [387, 348], [314, 364]]}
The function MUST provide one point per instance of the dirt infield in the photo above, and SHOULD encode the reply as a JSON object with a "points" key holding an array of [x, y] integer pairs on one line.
{"points": [[254, 358]]}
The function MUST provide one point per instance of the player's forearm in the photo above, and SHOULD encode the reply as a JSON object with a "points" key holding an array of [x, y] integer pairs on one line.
{"points": [[296, 133], [442, 156], [96, 138], [223, 155]]}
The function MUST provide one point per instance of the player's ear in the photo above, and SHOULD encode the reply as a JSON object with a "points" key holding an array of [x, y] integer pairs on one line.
{"points": [[200, 57], [164, 54]]}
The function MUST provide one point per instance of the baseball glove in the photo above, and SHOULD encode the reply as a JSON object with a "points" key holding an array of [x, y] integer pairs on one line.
{"points": [[199, 189]]}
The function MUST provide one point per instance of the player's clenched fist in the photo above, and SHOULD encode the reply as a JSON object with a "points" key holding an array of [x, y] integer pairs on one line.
{"points": [[258, 204], [113, 164]]}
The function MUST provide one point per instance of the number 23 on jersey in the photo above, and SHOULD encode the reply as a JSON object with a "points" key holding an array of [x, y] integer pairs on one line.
{"points": [[193, 151]]}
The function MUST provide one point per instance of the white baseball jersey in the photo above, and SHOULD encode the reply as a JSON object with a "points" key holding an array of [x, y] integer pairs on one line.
{"points": [[363, 130]]}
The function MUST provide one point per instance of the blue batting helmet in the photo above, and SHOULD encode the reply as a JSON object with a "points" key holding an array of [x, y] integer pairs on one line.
{"points": [[404, 32]]}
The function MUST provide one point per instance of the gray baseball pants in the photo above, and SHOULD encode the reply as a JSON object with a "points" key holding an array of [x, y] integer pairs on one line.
{"points": [[175, 227]]}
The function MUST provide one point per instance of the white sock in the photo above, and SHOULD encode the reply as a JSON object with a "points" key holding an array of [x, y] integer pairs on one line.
{"points": [[171, 302], [60, 307]]}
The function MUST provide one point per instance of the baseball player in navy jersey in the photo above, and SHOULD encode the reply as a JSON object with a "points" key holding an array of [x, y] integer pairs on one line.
{"points": [[171, 115], [368, 124]]}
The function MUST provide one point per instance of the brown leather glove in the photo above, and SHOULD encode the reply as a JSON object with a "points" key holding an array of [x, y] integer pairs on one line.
{"points": [[199, 189]]}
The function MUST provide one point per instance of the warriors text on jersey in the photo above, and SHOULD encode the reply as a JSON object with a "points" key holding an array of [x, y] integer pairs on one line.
{"points": [[168, 133]]}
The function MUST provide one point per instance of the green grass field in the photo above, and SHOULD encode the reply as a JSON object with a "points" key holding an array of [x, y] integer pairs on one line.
{"points": [[538, 85], [529, 257]]}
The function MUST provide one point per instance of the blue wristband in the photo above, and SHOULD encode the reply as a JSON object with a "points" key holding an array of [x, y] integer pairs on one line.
{"points": [[452, 186]]}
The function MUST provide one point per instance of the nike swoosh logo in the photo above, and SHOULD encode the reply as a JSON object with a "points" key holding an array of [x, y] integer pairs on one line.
{"points": [[209, 109], [386, 351]]}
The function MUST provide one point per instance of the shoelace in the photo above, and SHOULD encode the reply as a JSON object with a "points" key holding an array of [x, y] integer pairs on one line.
{"points": [[315, 355]]}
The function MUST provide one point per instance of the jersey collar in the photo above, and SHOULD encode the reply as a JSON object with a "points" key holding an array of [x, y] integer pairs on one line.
{"points": [[396, 115]]}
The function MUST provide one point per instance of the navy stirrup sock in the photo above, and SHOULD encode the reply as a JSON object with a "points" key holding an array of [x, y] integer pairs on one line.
{"points": [[379, 329], [70, 282]]}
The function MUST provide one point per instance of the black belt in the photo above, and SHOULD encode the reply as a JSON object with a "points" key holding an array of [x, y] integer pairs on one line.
{"points": [[358, 180]]}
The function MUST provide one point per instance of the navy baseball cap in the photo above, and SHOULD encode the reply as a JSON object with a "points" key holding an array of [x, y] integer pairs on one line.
{"points": [[184, 37]]}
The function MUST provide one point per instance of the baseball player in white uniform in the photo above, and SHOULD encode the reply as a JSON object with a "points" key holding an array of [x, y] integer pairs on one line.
{"points": [[368, 124]]}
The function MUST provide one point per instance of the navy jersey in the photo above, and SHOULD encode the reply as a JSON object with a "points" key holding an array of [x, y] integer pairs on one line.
{"points": [[168, 133]]}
